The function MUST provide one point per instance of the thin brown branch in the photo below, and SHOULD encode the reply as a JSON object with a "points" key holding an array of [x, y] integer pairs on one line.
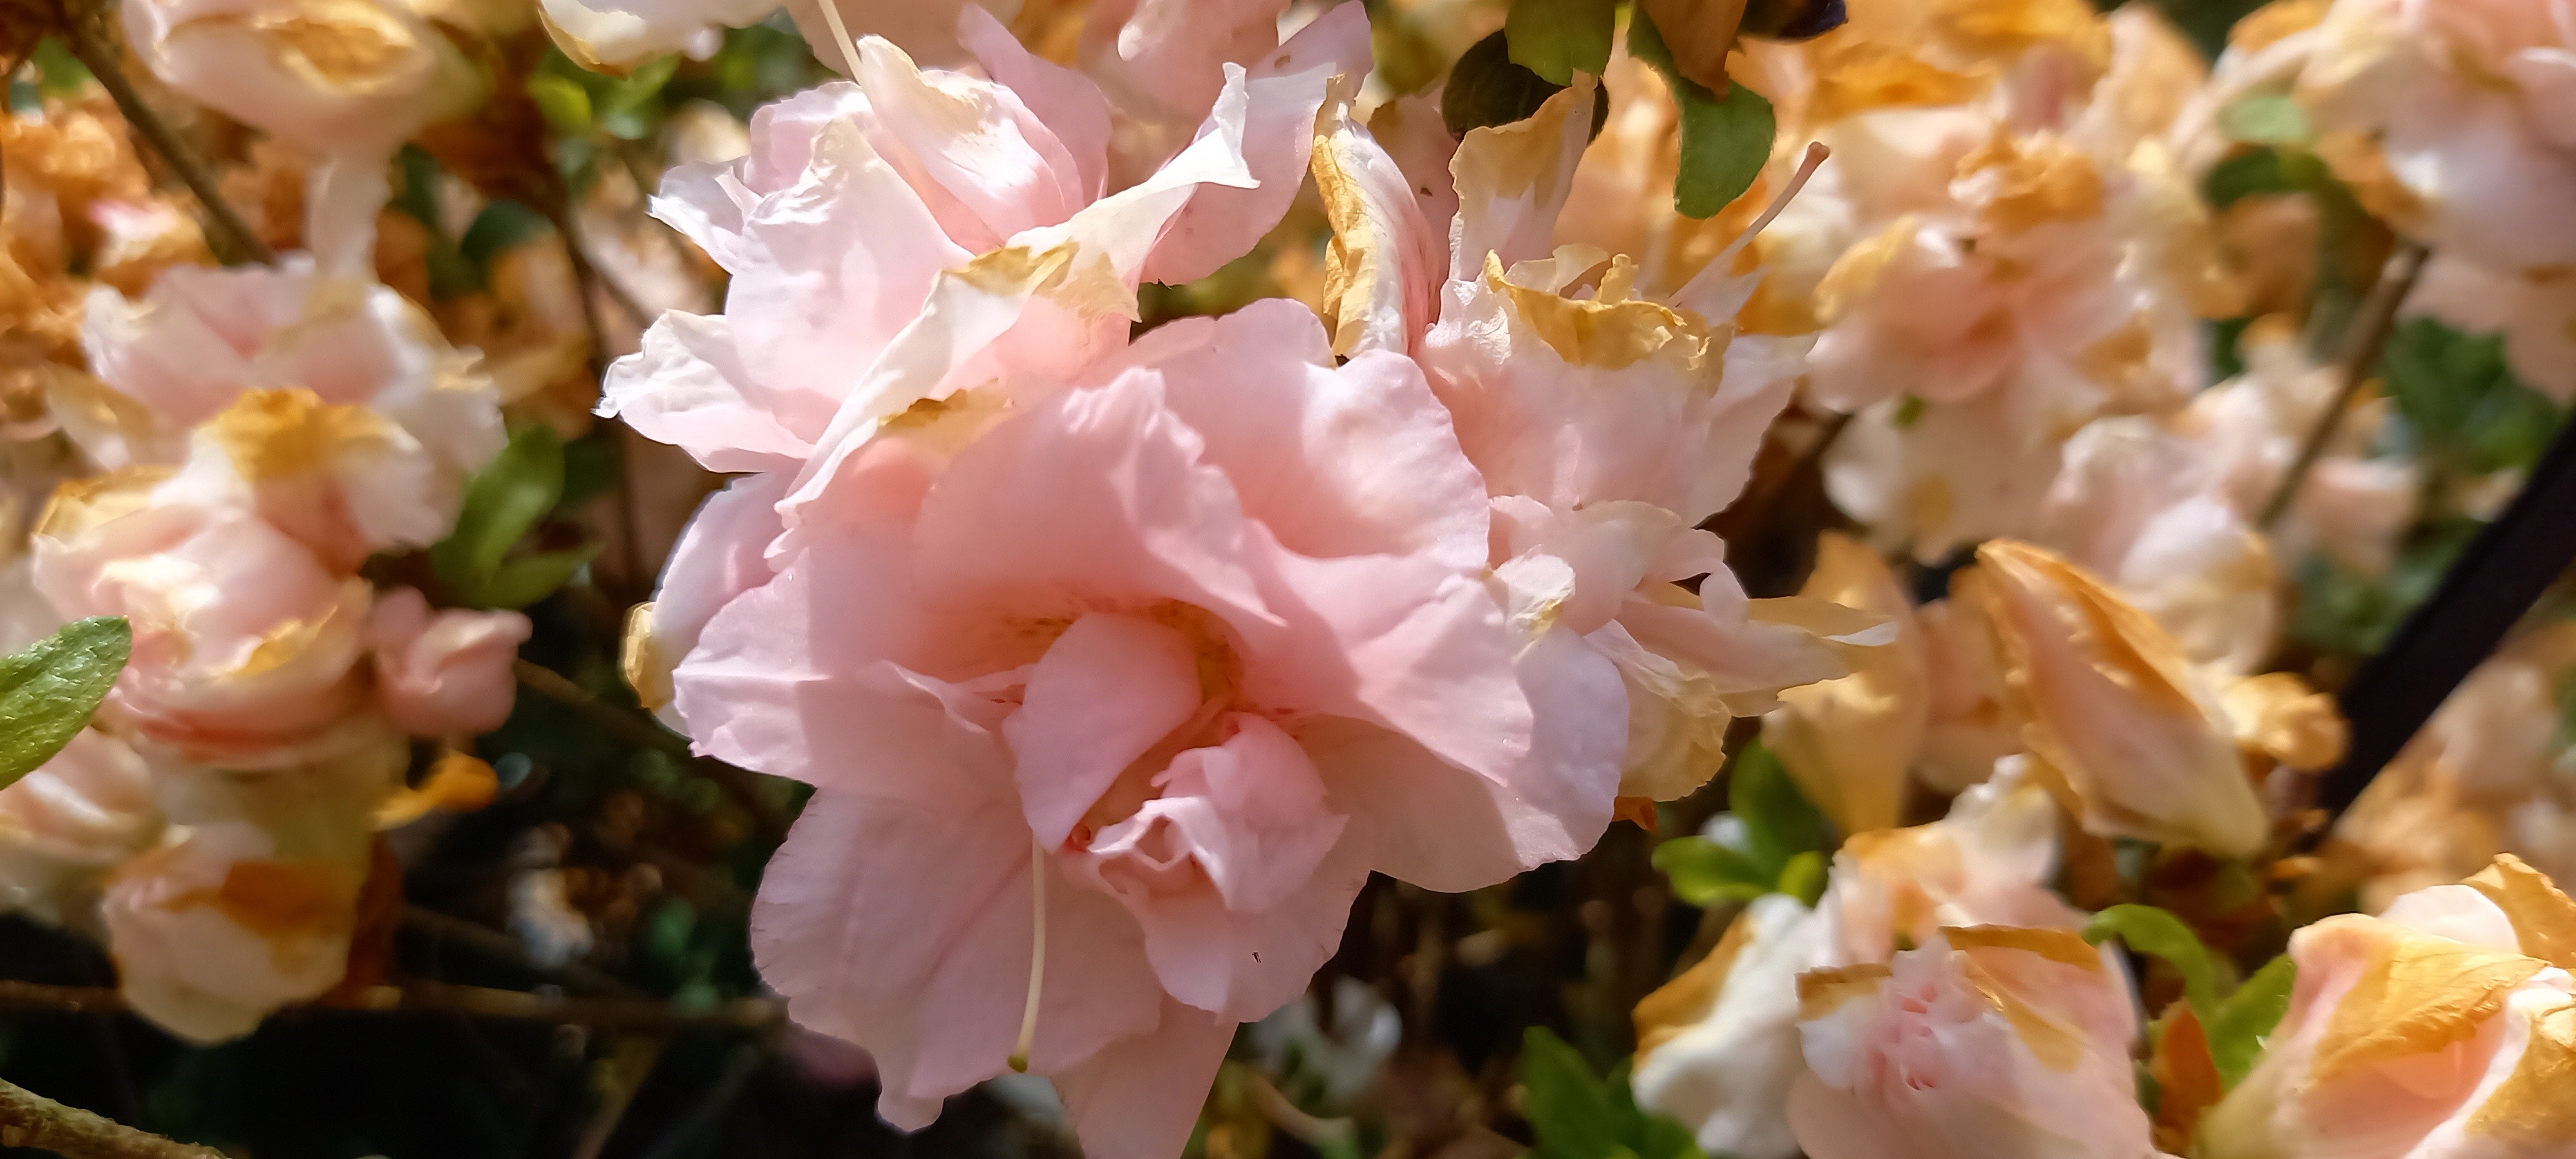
{"points": [[424, 997], [28, 1119], [2368, 336], [644, 732], [493, 943], [96, 46], [620, 1075]]}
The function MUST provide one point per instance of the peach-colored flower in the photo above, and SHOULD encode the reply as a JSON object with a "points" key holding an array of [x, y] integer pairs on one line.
{"points": [[1210, 630], [245, 645], [2461, 116], [1717, 1047], [63, 826], [329, 406], [1989, 862], [2109, 702], [2446, 1027], [1990, 1042], [350, 80], [443, 673]]}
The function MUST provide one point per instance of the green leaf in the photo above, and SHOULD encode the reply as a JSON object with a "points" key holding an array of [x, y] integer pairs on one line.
{"points": [[1725, 139], [503, 502], [2149, 930], [1779, 823], [49, 690], [1571, 1112], [2237, 1027], [1486, 88], [1804, 877], [1559, 38], [563, 102], [1705, 873], [2266, 119], [502, 226], [523, 581], [1577, 1116], [1909, 411], [2459, 396]]}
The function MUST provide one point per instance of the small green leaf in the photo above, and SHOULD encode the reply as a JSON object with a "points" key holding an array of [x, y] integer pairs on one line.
{"points": [[523, 581], [2237, 1027], [2458, 394], [1571, 1112], [503, 502], [1909, 411], [1779, 823], [1726, 140], [2149, 930], [1705, 873], [1559, 38], [1804, 877], [1486, 89], [49, 690], [563, 102], [2266, 119]]}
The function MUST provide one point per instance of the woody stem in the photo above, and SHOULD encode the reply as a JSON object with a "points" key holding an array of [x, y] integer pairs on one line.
{"points": [[2369, 334], [97, 49], [28, 1119]]}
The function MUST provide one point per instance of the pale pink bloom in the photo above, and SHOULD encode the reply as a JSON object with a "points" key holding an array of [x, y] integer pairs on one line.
{"points": [[212, 933], [245, 645], [1987, 1042], [2471, 108], [1989, 862], [330, 406], [1718, 1047], [2109, 703], [63, 826], [2442, 1029], [1212, 631], [447, 672], [897, 239], [350, 80], [1605, 424]]}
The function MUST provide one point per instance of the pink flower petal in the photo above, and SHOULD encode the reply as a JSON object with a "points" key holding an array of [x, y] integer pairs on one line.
{"points": [[1108, 689]]}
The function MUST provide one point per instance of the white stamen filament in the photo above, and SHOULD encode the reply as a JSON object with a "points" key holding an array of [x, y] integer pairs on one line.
{"points": [[841, 34], [1037, 955], [1816, 154]]}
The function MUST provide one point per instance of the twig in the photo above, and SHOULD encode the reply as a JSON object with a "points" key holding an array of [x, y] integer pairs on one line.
{"points": [[643, 732], [423, 997], [98, 50], [495, 944], [28, 1119], [1310, 1130], [628, 1064], [2370, 330]]}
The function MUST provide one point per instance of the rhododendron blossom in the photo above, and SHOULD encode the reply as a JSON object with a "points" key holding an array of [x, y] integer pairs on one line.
{"points": [[1173, 660]]}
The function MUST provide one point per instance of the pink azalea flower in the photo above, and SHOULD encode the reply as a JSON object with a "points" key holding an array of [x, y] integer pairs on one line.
{"points": [[1157, 668], [443, 673], [894, 239]]}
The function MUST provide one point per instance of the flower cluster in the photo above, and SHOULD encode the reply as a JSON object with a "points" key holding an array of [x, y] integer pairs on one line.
{"points": [[1119, 664], [263, 431]]}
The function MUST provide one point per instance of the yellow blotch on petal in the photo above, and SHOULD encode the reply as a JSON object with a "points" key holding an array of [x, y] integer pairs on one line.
{"points": [[1064, 273], [1849, 742], [2534, 1110], [2544, 918], [2057, 1045], [1821, 992], [1855, 275], [79, 505], [1611, 331], [642, 661], [1682, 1003], [2272, 23], [2006, 28], [1506, 162], [2036, 181], [2277, 714], [2419, 994], [2064, 946], [1855, 75], [284, 432]]}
